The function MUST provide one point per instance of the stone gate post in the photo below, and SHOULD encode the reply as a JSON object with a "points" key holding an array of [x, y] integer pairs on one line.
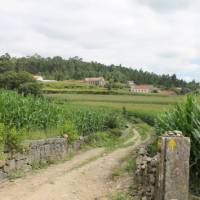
{"points": [[173, 170]]}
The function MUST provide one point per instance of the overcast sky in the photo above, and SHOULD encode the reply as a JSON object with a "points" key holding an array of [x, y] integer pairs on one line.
{"points": [[162, 36]]}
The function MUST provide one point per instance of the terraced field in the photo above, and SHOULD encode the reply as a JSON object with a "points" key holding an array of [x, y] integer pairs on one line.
{"points": [[146, 107]]}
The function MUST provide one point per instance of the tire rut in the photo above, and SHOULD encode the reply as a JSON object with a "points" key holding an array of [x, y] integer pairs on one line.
{"points": [[84, 177]]}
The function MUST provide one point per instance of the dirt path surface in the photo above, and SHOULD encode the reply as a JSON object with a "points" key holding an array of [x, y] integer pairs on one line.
{"points": [[84, 177]]}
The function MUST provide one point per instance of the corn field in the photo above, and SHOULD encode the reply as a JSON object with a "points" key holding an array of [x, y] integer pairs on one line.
{"points": [[89, 120], [40, 114], [28, 112]]}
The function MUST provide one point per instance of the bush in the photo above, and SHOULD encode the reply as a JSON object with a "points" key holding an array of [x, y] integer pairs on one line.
{"points": [[103, 139], [33, 88], [12, 138], [70, 130], [147, 117], [114, 121], [12, 80], [186, 118]]}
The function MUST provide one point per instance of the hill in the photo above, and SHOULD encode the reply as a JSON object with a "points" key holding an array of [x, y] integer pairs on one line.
{"points": [[75, 68]]}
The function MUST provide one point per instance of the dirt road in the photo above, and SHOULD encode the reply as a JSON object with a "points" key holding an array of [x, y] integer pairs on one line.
{"points": [[85, 177]]}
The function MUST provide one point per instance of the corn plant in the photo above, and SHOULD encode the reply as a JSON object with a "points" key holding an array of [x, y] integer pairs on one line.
{"points": [[29, 112], [89, 119]]}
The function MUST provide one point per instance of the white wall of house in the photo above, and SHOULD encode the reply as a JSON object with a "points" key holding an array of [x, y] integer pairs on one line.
{"points": [[136, 90]]}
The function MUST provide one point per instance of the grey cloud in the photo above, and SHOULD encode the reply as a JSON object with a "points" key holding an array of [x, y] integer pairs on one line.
{"points": [[169, 55], [166, 5]]}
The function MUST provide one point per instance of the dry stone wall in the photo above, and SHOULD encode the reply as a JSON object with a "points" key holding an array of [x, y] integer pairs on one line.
{"points": [[146, 174], [37, 152], [166, 175]]}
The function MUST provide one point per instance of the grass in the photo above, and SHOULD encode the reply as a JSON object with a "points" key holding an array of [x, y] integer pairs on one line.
{"points": [[42, 134], [121, 196], [110, 140], [123, 171], [137, 99], [73, 86], [80, 87], [127, 165], [146, 107], [28, 117], [144, 129]]}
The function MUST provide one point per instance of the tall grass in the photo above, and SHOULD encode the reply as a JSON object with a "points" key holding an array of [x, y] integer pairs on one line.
{"points": [[186, 118]]}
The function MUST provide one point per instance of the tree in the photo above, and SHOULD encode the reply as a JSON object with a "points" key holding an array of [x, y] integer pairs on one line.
{"points": [[5, 63], [75, 68], [12, 80]]}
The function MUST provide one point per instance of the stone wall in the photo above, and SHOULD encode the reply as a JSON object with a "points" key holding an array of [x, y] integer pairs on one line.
{"points": [[166, 175], [37, 152], [146, 174]]}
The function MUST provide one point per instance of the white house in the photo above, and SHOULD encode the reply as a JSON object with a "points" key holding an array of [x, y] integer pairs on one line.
{"points": [[100, 81], [142, 89]]}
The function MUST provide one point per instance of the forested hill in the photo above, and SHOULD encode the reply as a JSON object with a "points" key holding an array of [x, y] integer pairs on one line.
{"points": [[75, 68]]}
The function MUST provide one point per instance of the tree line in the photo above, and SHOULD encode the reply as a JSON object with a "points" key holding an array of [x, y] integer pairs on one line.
{"points": [[75, 68]]}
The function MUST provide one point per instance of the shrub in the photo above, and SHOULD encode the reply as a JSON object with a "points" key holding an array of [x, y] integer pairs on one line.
{"points": [[33, 88], [148, 117], [186, 118], [70, 130], [12, 138], [13, 80]]}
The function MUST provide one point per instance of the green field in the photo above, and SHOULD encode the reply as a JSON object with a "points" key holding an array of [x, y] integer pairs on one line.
{"points": [[145, 106]]}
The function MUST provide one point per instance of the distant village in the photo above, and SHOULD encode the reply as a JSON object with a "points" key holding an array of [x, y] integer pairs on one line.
{"points": [[101, 82]]}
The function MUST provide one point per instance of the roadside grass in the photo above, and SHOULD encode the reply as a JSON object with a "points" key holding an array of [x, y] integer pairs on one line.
{"points": [[127, 165], [123, 174], [144, 129], [15, 175], [42, 134], [121, 196], [111, 139], [126, 168]]}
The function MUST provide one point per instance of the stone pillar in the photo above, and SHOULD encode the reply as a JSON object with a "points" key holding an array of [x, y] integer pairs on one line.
{"points": [[173, 170]]}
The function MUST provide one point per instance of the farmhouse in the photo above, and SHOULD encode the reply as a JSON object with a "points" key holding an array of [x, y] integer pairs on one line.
{"points": [[142, 88], [40, 78], [100, 81]]}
